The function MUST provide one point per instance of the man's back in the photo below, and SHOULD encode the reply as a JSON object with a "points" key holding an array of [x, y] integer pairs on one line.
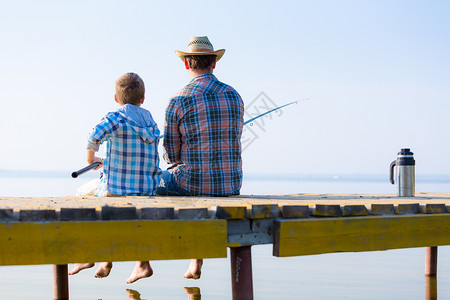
{"points": [[203, 131]]}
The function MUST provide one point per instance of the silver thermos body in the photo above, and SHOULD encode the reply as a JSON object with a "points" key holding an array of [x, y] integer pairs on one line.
{"points": [[405, 164]]}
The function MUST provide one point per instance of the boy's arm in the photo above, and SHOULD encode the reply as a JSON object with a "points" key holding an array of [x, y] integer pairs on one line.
{"points": [[101, 132], [91, 158]]}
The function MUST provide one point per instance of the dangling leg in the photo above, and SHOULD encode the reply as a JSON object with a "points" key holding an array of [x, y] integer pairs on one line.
{"points": [[78, 267], [142, 269], [195, 269], [103, 270]]}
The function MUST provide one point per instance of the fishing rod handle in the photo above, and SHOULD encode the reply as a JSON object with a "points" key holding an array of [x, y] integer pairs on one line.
{"points": [[85, 169]]}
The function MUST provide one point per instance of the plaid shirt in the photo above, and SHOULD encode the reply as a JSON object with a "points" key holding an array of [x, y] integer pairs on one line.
{"points": [[202, 134], [131, 165]]}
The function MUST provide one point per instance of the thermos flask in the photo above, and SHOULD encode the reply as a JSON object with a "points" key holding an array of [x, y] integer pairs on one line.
{"points": [[405, 173]]}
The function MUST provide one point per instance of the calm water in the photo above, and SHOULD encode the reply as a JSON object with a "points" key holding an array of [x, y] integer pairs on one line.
{"points": [[394, 274]]}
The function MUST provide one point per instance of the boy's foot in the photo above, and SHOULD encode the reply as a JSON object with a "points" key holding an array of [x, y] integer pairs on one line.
{"points": [[195, 269], [103, 270], [142, 269], [78, 267]]}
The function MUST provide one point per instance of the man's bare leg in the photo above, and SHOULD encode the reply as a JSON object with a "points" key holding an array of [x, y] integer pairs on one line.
{"points": [[103, 270], [195, 269], [142, 269], [78, 267]]}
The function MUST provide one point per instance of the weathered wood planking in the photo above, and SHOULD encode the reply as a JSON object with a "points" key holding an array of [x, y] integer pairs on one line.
{"points": [[29, 243], [354, 234], [304, 224]]}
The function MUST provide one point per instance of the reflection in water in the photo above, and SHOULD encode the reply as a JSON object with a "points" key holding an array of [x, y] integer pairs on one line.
{"points": [[430, 288], [133, 295], [193, 293]]}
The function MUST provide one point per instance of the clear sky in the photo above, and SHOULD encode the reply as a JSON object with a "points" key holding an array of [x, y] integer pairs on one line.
{"points": [[376, 75]]}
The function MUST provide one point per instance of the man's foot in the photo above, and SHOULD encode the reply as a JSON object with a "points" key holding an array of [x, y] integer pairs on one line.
{"points": [[142, 269], [103, 270], [195, 269], [78, 267]]}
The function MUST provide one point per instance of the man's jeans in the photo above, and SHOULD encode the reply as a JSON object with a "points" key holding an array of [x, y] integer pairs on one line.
{"points": [[169, 187]]}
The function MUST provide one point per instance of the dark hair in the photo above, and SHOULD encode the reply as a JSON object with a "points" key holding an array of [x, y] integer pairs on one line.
{"points": [[200, 62]]}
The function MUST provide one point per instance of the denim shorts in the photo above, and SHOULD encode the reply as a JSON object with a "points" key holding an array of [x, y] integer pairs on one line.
{"points": [[169, 187]]}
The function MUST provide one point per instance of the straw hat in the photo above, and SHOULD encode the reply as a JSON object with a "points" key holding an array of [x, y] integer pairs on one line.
{"points": [[200, 45]]}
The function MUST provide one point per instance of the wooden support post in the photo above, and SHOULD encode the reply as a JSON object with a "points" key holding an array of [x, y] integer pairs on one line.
{"points": [[431, 261], [241, 273], [60, 282]]}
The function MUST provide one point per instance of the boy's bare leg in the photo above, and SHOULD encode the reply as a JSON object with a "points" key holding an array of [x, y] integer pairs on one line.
{"points": [[103, 270], [195, 269], [142, 269], [78, 267]]}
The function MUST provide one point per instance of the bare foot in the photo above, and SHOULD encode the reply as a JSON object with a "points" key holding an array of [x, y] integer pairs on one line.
{"points": [[195, 269], [142, 269], [78, 267], [103, 270]]}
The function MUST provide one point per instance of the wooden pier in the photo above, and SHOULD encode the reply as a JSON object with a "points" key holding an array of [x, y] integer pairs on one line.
{"points": [[65, 230]]}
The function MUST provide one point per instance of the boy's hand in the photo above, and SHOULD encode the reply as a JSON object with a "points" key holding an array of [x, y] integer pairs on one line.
{"points": [[99, 160], [91, 158]]}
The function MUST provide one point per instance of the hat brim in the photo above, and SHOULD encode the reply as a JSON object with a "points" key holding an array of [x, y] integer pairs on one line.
{"points": [[217, 53]]}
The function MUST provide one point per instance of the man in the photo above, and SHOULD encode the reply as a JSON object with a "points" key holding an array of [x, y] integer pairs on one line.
{"points": [[202, 133]]}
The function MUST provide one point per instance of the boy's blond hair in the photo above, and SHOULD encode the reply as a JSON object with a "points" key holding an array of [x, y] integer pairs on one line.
{"points": [[130, 89]]}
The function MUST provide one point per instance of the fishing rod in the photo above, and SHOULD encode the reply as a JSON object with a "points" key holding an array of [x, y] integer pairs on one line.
{"points": [[94, 165], [85, 169], [268, 112], [261, 115]]}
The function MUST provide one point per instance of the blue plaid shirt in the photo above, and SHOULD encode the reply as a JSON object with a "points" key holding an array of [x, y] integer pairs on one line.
{"points": [[131, 165], [202, 134]]}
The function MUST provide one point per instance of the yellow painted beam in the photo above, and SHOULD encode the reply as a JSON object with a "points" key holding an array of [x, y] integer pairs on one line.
{"points": [[355, 234], [29, 243]]}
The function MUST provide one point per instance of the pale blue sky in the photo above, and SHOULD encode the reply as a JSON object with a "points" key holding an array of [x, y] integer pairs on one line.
{"points": [[376, 74]]}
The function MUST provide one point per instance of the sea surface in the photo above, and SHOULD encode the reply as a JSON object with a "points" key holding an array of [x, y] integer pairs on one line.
{"points": [[393, 274]]}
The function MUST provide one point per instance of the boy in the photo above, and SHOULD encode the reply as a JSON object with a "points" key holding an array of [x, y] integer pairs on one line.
{"points": [[131, 165]]}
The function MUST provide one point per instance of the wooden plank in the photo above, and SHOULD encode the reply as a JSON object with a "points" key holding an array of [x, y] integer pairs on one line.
{"points": [[354, 211], [29, 243], [264, 211], [157, 213], [231, 212], [327, 235], [295, 211], [382, 209], [324, 210], [193, 213]]}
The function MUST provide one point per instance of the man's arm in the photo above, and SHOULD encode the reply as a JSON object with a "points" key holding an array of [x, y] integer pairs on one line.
{"points": [[172, 136]]}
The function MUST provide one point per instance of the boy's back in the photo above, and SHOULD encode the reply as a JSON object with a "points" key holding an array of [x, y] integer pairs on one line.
{"points": [[131, 163]]}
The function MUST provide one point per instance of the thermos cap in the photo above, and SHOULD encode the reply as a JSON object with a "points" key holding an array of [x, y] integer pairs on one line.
{"points": [[405, 151], [405, 158]]}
